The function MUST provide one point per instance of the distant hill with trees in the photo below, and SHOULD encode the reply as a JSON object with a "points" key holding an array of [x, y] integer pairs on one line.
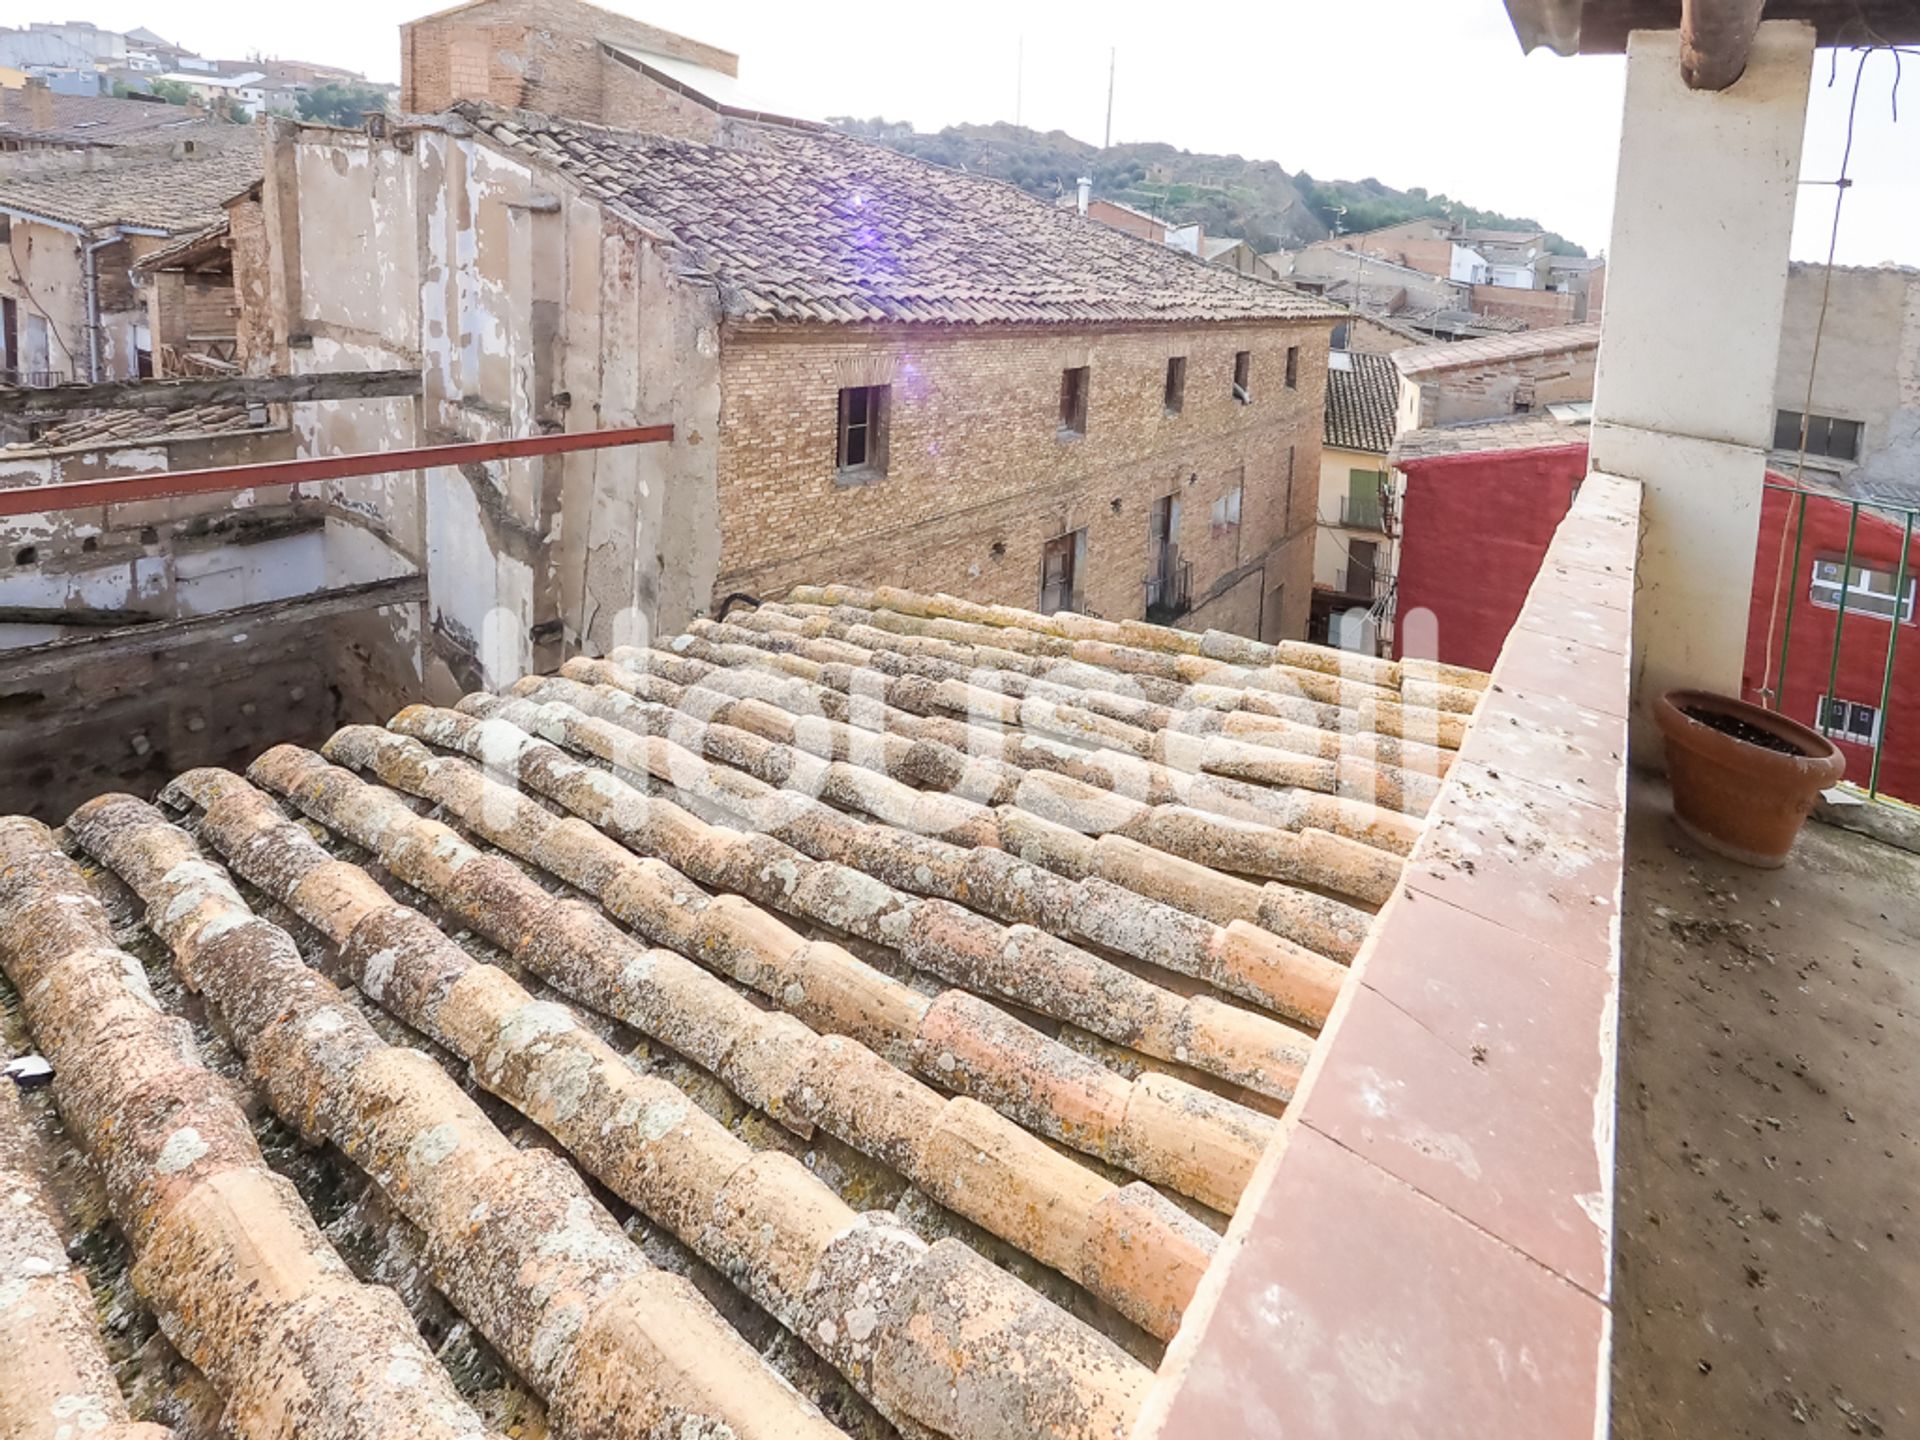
{"points": [[1252, 200]]}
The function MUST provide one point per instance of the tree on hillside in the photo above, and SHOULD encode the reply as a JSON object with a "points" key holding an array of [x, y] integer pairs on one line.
{"points": [[340, 103], [174, 92]]}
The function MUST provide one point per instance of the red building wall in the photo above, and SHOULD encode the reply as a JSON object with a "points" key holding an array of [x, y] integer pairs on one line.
{"points": [[1863, 640], [1474, 530], [1476, 527]]}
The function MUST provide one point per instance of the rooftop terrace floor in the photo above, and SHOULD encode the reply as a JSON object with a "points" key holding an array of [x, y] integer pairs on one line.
{"points": [[1767, 1249]]}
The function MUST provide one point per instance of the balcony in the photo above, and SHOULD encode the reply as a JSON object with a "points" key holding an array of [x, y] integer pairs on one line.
{"points": [[1357, 583]]}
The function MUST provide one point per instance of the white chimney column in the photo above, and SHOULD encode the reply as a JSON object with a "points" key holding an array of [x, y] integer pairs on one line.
{"points": [[1086, 193], [1683, 393]]}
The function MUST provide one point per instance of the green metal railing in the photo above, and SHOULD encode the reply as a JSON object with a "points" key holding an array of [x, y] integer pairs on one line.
{"points": [[1796, 580]]}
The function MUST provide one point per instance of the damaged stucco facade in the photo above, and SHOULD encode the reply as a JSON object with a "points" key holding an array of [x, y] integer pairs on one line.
{"points": [[150, 677], [528, 309]]}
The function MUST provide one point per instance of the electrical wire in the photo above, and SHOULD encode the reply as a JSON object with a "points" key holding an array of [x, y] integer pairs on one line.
{"points": [[1768, 692]]}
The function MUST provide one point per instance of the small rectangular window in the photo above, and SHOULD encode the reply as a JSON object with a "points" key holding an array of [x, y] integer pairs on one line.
{"points": [[1176, 394], [1224, 516], [1293, 367], [862, 451], [1848, 720], [1073, 400], [1869, 589], [1827, 435], [1243, 376]]}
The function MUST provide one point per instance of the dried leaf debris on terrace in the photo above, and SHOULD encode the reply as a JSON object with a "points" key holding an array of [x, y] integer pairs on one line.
{"points": [[918, 982]]}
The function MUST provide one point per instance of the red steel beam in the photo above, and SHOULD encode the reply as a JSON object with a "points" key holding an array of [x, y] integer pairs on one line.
{"points": [[167, 484]]}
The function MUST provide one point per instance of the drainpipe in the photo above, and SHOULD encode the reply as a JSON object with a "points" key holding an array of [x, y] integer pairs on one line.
{"points": [[91, 268], [1716, 39]]}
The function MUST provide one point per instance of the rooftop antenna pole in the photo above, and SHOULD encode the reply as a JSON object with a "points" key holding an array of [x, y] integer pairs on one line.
{"points": [[1111, 52]]}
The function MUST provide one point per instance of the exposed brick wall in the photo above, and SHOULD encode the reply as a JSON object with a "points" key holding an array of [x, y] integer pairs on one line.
{"points": [[1539, 308], [1121, 218], [540, 54], [979, 478], [631, 100], [1485, 391], [253, 324]]}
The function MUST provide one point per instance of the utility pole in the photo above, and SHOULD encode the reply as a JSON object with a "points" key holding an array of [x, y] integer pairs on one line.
{"points": [[1111, 53], [1019, 79]]}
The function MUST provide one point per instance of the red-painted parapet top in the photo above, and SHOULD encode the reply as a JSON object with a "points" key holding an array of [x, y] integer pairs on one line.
{"points": [[1425, 1249]]}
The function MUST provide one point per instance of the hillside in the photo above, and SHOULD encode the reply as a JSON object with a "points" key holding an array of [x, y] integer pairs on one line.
{"points": [[1253, 200]]}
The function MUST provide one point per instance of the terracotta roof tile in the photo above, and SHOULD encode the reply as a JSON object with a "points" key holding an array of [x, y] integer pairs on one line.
{"points": [[96, 119], [1494, 349], [1363, 397], [127, 427], [1538, 430], [813, 226], [1034, 918], [149, 192]]}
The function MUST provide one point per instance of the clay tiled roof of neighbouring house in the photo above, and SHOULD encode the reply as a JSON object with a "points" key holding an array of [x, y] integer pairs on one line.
{"points": [[167, 194], [1455, 321], [805, 225], [1538, 430], [1498, 349], [1362, 396], [209, 242], [94, 119], [127, 427], [970, 954]]}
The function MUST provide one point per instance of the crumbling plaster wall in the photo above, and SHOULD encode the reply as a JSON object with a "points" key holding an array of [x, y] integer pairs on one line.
{"points": [[161, 559], [527, 309], [40, 269]]}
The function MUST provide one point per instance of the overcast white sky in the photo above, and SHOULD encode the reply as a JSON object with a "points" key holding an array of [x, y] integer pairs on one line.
{"points": [[1415, 92]]}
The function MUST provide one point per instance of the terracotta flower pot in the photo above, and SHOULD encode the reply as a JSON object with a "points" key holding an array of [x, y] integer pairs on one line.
{"points": [[1744, 778]]}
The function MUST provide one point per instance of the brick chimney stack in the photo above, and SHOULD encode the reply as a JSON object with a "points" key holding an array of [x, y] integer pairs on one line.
{"points": [[39, 103]]}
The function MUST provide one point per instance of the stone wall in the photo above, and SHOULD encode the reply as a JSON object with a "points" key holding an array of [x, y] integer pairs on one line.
{"points": [[980, 476]]}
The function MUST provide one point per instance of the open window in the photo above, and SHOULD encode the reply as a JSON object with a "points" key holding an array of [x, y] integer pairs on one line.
{"points": [[861, 456], [1074, 384], [1243, 376], [1176, 391], [1062, 567]]}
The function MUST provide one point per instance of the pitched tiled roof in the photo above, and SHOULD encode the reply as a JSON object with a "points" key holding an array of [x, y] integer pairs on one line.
{"points": [[94, 119], [1493, 349], [805, 225], [126, 427], [151, 192], [1462, 322], [1537, 430], [1361, 401], [1016, 924]]}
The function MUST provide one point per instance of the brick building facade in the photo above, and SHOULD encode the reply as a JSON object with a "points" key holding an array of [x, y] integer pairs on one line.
{"points": [[980, 477]]}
